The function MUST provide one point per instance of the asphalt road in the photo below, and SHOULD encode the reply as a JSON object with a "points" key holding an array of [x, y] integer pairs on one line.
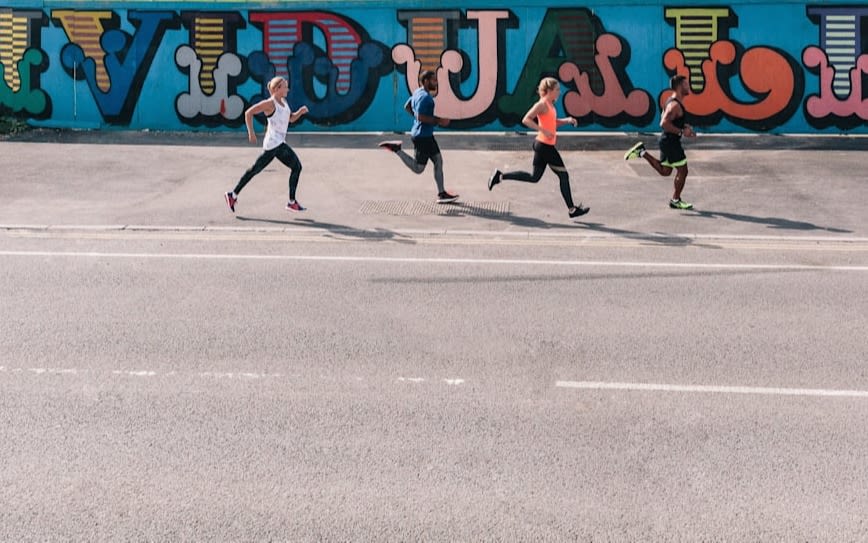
{"points": [[277, 386], [381, 368]]}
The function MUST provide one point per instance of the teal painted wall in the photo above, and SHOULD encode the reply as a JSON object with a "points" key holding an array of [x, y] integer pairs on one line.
{"points": [[778, 67]]}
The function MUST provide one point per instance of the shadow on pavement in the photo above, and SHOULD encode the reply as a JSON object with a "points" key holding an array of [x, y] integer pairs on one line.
{"points": [[772, 222], [531, 222], [668, 240], [337, 230]]}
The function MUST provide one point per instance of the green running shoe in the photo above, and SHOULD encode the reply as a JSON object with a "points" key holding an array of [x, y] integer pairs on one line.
{"points": [[679, 204], [635, 151]]}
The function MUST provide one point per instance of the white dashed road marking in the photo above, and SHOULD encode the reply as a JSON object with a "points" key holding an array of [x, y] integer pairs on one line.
{"points": [[706, 389]]}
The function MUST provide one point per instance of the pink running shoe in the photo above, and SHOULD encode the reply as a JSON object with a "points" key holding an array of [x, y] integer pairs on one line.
{"points": [[230, 201]]}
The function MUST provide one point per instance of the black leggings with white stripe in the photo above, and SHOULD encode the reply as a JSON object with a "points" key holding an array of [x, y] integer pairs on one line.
{"points": [[545, 155], [283, 153]]}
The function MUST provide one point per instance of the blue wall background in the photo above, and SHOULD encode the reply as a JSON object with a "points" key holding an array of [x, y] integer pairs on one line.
{"points": [[771, 67]]}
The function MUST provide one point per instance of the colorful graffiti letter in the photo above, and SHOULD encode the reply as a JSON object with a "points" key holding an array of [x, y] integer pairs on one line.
{"points": [[112, 62], [428, 34], [841, 67], [349, 69], [565, 35], [21, 63], [613, 103], [766, 73], [213, 69]]}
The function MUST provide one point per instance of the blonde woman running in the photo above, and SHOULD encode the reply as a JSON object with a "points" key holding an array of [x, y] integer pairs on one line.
{"points": [[542, 117], [279, 116]]}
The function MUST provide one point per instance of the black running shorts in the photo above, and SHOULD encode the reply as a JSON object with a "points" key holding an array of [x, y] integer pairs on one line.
{"points": [[671, 152], [426, 148]]}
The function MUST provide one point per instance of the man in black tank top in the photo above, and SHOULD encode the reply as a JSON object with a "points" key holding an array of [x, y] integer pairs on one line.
{"points": [[671, 153]]}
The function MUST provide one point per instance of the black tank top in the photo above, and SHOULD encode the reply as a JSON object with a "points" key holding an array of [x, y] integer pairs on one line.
{"points": [[679, 122]]}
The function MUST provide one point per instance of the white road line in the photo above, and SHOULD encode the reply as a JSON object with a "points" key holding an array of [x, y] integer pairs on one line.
{"points": [[705, 389], [244, 375], [411, 260], [143, 373], [127, 229]]}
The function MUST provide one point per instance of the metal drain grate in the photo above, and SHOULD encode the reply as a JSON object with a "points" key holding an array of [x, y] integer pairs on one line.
{"points": [[415, 207]]}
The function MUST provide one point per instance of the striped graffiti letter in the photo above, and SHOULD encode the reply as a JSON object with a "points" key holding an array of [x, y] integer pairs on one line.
{"points": [[428, 50], [766, 73], [349, 68], [113, 62], [695, 30], [565, 35], [213, 68], [21, 62], [841, 66]]}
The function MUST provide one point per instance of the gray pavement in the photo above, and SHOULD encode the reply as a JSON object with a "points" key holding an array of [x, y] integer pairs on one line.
{"points": [[740, 185], [381, 368]]}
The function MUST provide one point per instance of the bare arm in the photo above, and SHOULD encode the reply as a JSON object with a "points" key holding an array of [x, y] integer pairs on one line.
{"points": [[266, 106], [529, 119], [296, 115], [672, 112]]}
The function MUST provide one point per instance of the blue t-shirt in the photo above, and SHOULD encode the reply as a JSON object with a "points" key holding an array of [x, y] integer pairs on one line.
{"points": [[422, 103]]}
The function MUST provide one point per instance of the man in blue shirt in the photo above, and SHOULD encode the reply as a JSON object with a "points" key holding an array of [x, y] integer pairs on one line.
{"points": [[421, 106]]}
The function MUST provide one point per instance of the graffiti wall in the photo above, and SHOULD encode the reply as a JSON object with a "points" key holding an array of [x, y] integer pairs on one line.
{"points": [[779, 67]]}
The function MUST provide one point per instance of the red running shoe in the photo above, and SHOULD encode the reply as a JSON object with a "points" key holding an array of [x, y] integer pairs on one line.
{"points": [[230, 201]]}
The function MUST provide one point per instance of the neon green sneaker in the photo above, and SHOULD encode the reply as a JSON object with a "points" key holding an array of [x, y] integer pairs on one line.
{"points": [[635, 151], [680, 204]]}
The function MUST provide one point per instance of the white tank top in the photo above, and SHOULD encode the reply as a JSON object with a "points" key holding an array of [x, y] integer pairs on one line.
{"points": [[278, 122]]}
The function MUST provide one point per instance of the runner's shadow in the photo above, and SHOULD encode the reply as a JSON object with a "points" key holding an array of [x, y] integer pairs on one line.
{"points": [[659, 238], [530, 222], [776, 223], [669, 240], [338, 231]]}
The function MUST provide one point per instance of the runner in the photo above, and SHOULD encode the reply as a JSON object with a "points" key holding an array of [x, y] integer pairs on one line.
{"points": [[421, 106], [671, 153], [542, 117], [279, 116]]}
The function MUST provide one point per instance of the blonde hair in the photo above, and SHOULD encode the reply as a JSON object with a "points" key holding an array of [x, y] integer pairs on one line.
{"points": [[275, 81], [546, 85]]}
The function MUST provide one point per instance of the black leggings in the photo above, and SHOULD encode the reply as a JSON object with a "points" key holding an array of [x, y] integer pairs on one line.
{"points": [[283, 153], [545, 155]]}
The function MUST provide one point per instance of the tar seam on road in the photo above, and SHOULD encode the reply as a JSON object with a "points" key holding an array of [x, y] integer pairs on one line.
{"points": [[411, 260]]}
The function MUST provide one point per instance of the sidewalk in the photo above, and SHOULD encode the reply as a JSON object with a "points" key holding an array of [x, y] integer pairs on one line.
{"points": [[740, 185], [487, 141]]}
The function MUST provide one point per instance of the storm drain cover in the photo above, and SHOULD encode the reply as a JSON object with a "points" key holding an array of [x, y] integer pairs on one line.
{"points": [[416, 207]]}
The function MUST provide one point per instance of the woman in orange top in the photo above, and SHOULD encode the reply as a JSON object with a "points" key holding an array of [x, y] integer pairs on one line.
{"points": [[542, 117]]}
